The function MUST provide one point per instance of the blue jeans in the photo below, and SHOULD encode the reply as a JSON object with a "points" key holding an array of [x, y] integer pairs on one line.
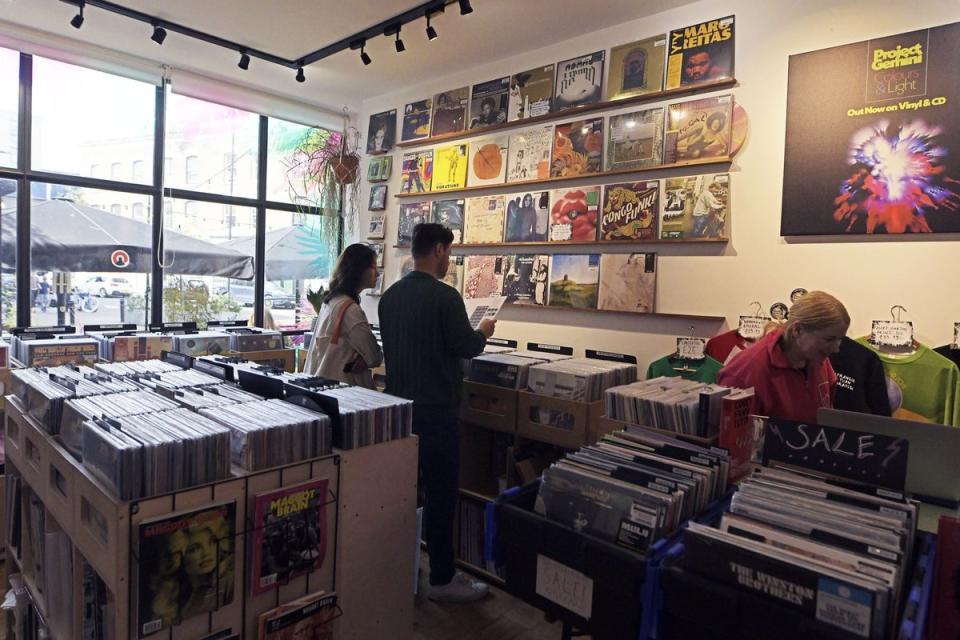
{"points": [[439, 484]]}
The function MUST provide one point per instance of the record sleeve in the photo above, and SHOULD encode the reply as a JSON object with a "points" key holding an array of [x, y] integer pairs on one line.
{"points": [[416, 120], [449, 213], [530, 93], [577, 148], [526, 215], [529, 156], [450, 111], [454, 276], [579, 81], [628, 282], [417, 172], [698, 130], [636, 68], [635, 140], [483, 221], [488, 103], [380, 168], [450, 167], [695, 207], [290, 535], [379, 248], [382, 132], [411, 214], [700, 53], [309, 618], [488, 161], [375, 229], [483, 276], [378, 197], [574, 280], [525, 279], [574, 214], [630, 211]]}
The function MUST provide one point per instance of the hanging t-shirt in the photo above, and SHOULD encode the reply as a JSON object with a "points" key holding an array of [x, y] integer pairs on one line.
{"points": [[705, 370], [861, 384], [923, 386], [949, 352], [724, 346]]}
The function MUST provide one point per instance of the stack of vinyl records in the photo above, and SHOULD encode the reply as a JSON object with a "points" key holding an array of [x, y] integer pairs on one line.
{"points": [[580, 379], [138, 346], [254, 339], [215, 396], [501, 369], [178, 379], [201, 343], [540, 356], [138, 456], [50, 352], [132, 369], [672, 404], [368, 417], [839, 554], [633, 487]]}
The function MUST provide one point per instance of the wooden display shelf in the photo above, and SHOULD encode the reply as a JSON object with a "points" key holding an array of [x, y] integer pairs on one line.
{"points": [[653, 314], [589, 243], [489, 406], [565, 114], [602, 174], [583, 416]]}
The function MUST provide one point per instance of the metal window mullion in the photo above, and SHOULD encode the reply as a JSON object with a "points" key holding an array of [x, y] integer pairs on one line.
{"points": [[23, 190], [260, 251]]}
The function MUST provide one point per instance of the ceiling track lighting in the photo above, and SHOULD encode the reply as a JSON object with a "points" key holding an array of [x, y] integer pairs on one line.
{"points": [[399, 43], [244, 60], [159, 34], [394, 30], [77, 21], [431, 32], [365, 57], [465, 8], [300, 76]]}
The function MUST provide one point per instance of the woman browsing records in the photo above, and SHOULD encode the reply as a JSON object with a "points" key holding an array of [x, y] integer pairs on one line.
{"points": [[343, 347]]}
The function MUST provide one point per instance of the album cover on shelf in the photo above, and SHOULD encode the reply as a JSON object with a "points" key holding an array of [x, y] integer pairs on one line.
{"points": [[483, 276], [416, 120], [411, 214], [308, 618], [450, 167], [628, 282], [527, 213], [574, 214], [378, 197], [636, 68], [450, 111], [380, 168], [375, 229], [577, 148], [529, 156], [531, 93], [406, 265], [382, 132], [454, 276], [630, 211], [700, 53], [574, 280], [579, 81], [488, 103], [695, 207], [377, 288], [698, 130], [379, 248], [488, 161], [525, 279], [483, 220], [417, 172], [140, 347], [449, 213], [290, 534], [635, 140]]}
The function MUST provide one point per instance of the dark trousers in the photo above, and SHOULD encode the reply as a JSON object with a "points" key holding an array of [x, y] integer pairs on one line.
{"points": [[439, 486]]}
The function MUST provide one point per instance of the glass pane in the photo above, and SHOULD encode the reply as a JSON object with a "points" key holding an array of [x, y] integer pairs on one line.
{"points": [[301, 252], [211, 148], [9, 106], [208, 251], [293, 162], [90, 256], [8, 253], [90, 123]]}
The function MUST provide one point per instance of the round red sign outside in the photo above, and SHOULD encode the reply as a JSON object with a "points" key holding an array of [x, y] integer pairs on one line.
{"points": [[120, 259]]}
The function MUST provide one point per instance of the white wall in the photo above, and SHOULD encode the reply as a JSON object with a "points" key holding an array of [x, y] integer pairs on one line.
{"points": [[869, 275]]}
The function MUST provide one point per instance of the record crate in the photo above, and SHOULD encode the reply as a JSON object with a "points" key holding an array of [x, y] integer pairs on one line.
{"points": [[285, 359], [609, 425], [489, 406], [566, 423]]}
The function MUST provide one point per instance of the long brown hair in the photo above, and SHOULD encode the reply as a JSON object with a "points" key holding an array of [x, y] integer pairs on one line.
{"points": [[348, 274]]}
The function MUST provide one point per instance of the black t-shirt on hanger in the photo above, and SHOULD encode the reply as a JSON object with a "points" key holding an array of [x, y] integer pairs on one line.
{"points": [[950, 353], [861, 384]]}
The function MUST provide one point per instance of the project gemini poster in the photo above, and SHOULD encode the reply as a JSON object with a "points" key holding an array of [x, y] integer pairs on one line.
{"points": [[873, 137]]}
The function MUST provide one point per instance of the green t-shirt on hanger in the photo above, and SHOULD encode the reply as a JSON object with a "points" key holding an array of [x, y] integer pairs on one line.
{"points": [[705, 370]]}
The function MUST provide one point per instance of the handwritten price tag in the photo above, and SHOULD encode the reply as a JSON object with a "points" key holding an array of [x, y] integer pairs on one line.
{"points": [[892, 334], [691, 348], [751, 327]]}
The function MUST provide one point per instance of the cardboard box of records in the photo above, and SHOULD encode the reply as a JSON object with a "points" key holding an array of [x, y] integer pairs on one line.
{"points": [[489, 406]]}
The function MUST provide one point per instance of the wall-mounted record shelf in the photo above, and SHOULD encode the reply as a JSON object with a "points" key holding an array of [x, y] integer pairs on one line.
{"points": [[566, 114], [591, 243], [602, 174], [654, 314]]}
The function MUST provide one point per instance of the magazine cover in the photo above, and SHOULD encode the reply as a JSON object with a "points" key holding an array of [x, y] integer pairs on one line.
{"points": [[525, 279], [636, 68], [577, 148], [529, 155], [574, 280], [872, 146], [630, 211], [488, 103], [375, 230], [579, 81], [450, 167], [417, 171], [454, 276], [380, 249], [488, 161], [378, 197], [380, 168], [695, 207], [382, 132], [483, 276], [700, 53], [635, 140], [450, 111], [531, 93], [527, 213], [483, 220], [416, 120], [186, 566], [308, 618], [628, 282], [449, 213], [411, 214], [574, 214], [698, 130], [290, 534]]}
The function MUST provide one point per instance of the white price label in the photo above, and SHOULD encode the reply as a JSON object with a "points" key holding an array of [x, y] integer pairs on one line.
{"points": [[565, 586], [892, 334], [751, 327], [691, 348]]}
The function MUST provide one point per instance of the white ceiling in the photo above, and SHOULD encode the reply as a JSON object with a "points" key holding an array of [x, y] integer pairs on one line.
{"points": [[291, 28]]}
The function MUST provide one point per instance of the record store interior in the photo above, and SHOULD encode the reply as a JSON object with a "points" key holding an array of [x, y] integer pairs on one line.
{"points": [[473, 319]]}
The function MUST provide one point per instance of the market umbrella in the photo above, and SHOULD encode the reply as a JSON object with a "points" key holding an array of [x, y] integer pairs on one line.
{"points": [[70, 237], [297, 252]]}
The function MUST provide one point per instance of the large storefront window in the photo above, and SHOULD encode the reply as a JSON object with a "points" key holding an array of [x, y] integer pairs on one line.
{"points": [[293, 159], [8, 254], [9, 100]]}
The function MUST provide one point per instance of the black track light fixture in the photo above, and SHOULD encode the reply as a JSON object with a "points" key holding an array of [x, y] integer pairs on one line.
{"points": [[394, 30], [77, 21], [399, 43], [465, 7], [431, 32], [244, 61], [300, 76], [159, 34], [365, 57]]}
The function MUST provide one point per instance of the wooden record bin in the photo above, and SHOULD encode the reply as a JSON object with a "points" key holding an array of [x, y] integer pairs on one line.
{"points": [[489, 406], [608, 425], [535, 413]]}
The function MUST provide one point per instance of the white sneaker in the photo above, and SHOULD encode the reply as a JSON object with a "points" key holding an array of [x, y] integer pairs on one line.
{"points": [[462, 588]]}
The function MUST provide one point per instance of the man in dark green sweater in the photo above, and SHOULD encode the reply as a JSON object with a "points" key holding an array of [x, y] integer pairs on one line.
{"points": [[426, 334]]}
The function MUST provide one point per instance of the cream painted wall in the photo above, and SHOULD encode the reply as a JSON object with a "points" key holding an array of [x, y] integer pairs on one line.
{"points": [[869, 276]]}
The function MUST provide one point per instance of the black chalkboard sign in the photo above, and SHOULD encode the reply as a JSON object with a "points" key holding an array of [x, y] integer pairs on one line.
{"points": [[867, 457]]}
